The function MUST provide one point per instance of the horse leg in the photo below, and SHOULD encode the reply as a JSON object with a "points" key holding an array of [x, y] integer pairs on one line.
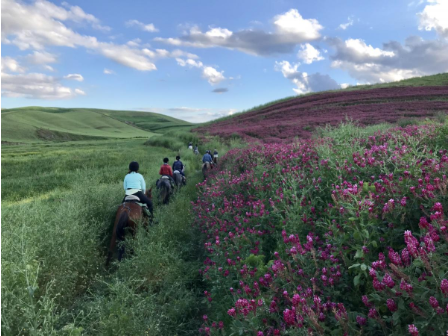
{"points": [[121, 225]]}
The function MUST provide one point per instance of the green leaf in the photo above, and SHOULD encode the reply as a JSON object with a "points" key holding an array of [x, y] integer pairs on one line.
{"points": [[366, 233], [359, 254], [356, 279], [354, 265], [363, 267], [374, 244]]}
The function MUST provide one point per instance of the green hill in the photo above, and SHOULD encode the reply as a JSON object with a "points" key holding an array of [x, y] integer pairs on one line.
{"points": [[36, 124]]}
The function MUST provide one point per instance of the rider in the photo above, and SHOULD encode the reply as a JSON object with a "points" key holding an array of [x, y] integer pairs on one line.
{"points": [[207, 158], [215, 156], [179, 166], [165, 170], [134, 184], [190, 145], [196, 150]]}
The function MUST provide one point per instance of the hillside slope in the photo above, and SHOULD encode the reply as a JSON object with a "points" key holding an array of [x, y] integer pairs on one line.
{"points": [[35, 124], [299, 116]]}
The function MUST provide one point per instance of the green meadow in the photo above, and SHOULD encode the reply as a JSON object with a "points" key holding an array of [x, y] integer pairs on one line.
{"points": [[58, 207]]}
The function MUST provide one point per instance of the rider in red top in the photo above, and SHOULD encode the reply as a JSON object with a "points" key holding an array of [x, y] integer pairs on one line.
{"points": [[165, 169]]}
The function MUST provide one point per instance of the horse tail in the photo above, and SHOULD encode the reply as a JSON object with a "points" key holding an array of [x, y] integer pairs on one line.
{"points": [[121, 225]]}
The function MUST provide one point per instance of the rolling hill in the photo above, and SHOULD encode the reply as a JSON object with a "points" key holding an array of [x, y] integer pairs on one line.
{"points": [[288, 118], [36, 124]]}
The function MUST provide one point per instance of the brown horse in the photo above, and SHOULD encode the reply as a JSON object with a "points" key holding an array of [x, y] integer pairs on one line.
{"points": [[129, 214]]}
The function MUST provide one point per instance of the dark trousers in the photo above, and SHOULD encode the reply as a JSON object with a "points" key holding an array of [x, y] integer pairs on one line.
{"points": [[143, 199]]}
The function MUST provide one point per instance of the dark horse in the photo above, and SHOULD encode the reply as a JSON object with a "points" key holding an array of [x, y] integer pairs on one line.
{"points": [[129, 214], [164, 187], [206, 168], [178, 179]]}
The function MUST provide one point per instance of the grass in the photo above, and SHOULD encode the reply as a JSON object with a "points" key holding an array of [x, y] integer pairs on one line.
{"points": [[38, 124], [58, 206]]}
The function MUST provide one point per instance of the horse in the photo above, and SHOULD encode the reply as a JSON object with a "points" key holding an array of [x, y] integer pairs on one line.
{"points": [[215, 159], [129, 214], [178, 179], [205, 169], [164, 187]]}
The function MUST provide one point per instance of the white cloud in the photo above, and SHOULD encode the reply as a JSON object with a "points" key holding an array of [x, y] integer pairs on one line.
{"points": [[435, 16], [134, 43], [191, 114], [417, 57], [305, 83], [10, 64], [76, 77], [344, 26], [108, 72], [212, 75], [290, 29], [344, 85], [41, 24], [209, 73], [189, 62], [41, 57], [36, 86], [145, 27], [309, 54]]}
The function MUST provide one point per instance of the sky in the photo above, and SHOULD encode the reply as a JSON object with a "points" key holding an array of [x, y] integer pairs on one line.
{"points": [[200, 60]]}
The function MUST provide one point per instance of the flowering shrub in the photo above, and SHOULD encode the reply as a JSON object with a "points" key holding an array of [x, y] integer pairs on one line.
{"points": [[298, 117], [335, 236]]}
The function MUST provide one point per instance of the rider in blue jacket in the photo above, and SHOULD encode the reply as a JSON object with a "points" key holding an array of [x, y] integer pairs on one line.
{"points": [[207, 158], [179, 166]]}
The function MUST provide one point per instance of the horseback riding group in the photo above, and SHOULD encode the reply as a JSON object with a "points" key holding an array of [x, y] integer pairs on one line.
{"points": [[137, 202]]}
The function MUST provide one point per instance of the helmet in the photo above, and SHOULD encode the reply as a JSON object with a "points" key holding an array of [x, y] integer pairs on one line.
{"points": [[133, 166]]}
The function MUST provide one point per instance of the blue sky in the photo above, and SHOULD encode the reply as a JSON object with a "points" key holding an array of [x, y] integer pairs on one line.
{"points": [[198, 60]]}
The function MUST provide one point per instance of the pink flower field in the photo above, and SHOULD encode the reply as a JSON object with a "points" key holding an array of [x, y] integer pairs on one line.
{"points": [[298, 117], [326, 237]]}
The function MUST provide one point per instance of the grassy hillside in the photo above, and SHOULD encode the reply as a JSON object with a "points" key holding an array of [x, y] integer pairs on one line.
{"points": [[148, 121], [434, 80], [36, 124], [299, 116]]}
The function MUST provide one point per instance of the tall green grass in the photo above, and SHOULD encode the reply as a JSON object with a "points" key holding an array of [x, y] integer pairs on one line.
{"points": [[59, 202]]}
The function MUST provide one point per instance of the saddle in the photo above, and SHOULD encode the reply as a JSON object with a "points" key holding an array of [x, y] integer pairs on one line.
{"points": [[132, 198], [135, 199], [176, 172], [164, 177]]}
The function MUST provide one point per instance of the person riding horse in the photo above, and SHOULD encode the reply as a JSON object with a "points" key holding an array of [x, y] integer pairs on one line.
{"points": [[134, 184], [215, 157], [190, 146], [179, 166], [196, 150], [207, 158], [166, 171]]}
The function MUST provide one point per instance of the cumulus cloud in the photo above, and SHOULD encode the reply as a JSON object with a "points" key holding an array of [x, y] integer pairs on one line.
{"points": [[134, 43], [212, 75], [76, 77], [36, 86], [108, 72], [349, 23], [10, 64], [289, 30], [41, 24], [305, 83], [308, 54], [209, 73], [189, 63], [145, 27], [417, 57], [435, 16], [220, 90]]}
